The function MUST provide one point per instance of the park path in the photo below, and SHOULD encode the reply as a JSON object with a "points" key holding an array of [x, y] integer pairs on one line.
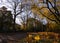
{"points": [[11, 37], [19, 37]]}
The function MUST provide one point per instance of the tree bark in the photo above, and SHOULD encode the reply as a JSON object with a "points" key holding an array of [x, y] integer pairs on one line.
{"points": [[14, 23]]}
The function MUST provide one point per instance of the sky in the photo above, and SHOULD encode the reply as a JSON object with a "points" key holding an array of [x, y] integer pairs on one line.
{"points": [[18, 20]]}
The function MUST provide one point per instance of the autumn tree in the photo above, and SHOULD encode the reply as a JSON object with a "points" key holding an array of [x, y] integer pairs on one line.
{"points": [[49, 9], [54, 10]]}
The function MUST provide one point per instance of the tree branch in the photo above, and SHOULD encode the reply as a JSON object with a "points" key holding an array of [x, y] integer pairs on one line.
{"points": [[55, 14]]}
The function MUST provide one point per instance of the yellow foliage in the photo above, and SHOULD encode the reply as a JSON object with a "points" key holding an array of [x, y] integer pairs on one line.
{"points": [[23, 27], [51, 25], [37, 37], [43, 12], [52, 16], [36, 10]]}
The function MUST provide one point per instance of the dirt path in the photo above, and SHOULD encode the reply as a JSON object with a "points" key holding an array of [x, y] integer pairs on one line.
{"points": [[11, 36], [19, 37]]}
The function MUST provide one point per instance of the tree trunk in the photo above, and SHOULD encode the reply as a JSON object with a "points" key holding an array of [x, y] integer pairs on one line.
{"points": [[14, 29], [1, 27]]}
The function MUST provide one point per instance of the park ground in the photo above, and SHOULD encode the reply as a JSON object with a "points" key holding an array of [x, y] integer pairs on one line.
{"points": [[30, 37]]}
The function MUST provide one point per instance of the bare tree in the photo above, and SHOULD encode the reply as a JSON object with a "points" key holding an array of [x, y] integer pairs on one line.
{"points": [[16, 6]]}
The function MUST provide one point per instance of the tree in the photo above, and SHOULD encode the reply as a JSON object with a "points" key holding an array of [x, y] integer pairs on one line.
{"points": [[19, 7], [56, 12], [16, 6], [33, 25], [5, 19], [50, 8]]}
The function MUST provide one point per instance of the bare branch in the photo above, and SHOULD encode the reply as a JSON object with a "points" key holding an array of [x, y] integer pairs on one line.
{"points": [[55, 8], [10, 2], [49, 18]]}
